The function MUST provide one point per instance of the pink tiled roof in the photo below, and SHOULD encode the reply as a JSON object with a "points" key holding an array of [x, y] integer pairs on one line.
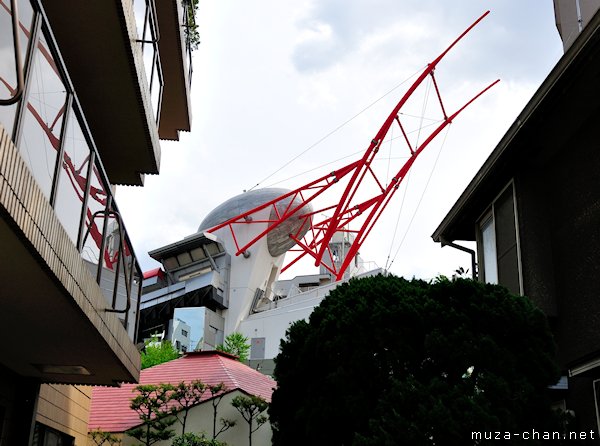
{"points": [[110, 405]]}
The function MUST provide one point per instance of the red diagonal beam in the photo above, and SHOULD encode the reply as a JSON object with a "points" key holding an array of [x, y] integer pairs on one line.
{"points": [[354, 183], [320, 185], [385, 198], [315, 242]]}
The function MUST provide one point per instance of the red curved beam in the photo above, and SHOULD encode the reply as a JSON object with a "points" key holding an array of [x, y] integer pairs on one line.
{"points": [[372, 150], [321, 230]]}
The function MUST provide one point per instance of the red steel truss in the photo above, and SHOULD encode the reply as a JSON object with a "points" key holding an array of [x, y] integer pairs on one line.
{"points": [[364, 196]]}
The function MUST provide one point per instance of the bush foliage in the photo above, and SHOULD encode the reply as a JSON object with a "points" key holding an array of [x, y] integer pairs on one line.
{"points": [[191, 439], [386, 361], [156, 352]]}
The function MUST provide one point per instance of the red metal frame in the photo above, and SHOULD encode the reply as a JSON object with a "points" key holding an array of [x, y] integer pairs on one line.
{"points": [[358, 176]]}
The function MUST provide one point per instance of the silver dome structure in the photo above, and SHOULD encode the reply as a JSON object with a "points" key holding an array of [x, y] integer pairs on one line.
{"points": [[278, 240]]}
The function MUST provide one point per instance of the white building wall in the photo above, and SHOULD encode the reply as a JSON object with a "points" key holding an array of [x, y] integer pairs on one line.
{"points": [[250, 272], [272, 323], [180, 333], [200, 419], [572, 16]]}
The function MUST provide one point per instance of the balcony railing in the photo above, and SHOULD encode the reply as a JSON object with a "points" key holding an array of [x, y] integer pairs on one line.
{"points": [[192, 39], [46, 123], [148, 38]]}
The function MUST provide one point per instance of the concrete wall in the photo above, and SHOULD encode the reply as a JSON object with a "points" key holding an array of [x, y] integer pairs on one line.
{"points": [[272, 324], [572, 16], [65, 408]]}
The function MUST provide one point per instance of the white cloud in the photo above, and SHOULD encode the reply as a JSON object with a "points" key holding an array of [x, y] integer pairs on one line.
{"points": [[273, 77]]}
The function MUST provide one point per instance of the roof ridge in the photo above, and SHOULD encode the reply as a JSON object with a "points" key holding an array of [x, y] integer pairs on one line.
{"points": [[228, 372]]}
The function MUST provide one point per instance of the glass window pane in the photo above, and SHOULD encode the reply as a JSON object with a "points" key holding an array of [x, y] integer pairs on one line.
{"points": [[112, 243], [506, 241], [148, 62], [488, 241], [8, 77], [73, 178], [139, 9], [146, 22], [156, 88], [43, 119], [94, 221], [117, 268]]}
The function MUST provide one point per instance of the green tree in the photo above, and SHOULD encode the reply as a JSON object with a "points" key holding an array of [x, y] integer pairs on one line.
{"points": [[385, 361], [156, 352], [187, 395], [217, 392], [236, 344], [100, 438], [156, 416], [192, 34], [191, 439], [251, 408]]}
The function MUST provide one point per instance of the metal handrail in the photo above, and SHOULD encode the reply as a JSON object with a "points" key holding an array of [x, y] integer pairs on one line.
{"points": [[18, 62], [121, 252]]}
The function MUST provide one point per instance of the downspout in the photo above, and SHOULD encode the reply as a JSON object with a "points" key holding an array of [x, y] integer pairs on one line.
{"points": [[467, 250]]}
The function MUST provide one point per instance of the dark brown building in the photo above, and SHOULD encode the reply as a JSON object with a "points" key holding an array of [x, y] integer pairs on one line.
{"points": [[534, 210]]}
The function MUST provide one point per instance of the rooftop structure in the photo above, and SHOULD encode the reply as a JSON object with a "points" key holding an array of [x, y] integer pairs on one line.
{"points": [[237, 293], [232, 264]]}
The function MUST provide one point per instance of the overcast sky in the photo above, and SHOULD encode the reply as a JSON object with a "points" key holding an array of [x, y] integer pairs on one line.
{"points": [[273, 77]]}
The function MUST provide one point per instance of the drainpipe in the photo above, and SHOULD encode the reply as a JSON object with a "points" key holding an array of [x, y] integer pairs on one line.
{"points": [[467, 250]]}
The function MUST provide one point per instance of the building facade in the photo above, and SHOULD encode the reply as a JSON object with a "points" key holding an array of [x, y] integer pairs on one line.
{"points": [[180, 335], [237, 293], [533, 210], [572, 16], [87, 90]]}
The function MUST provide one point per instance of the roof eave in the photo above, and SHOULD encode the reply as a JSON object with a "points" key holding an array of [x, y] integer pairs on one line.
{"points": [[445, 232], [175, 113]]}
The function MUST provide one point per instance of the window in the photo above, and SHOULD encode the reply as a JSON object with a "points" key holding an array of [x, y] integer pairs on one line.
{"points": [[46, 436], [488, 250], [184, 332], [257, 348], [498, 247], [42, 123], [596, 386], [2, 416]]}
